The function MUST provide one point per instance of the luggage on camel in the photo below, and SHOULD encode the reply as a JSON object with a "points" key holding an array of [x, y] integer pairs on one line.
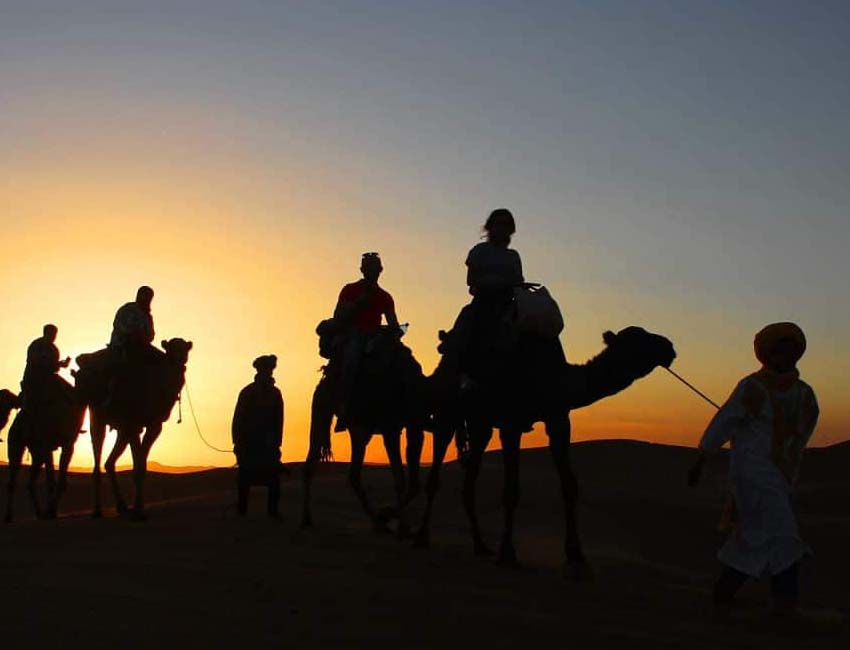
{"points": [[537, 312]]}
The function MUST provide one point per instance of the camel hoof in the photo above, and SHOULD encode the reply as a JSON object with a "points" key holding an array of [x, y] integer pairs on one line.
{"points": [[97, 514], [8, 518], [306, 521], [578, 571], [138, 514], [122, 508]]}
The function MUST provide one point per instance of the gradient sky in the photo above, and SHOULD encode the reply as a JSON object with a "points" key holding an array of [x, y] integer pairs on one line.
{"points": [[678, 165]]}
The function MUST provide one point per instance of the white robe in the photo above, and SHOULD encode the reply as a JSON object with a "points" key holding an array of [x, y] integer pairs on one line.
{"points": [[765, 539]]}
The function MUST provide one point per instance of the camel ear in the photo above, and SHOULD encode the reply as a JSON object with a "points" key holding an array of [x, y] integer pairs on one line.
{"points": [[164, 344], [441, 335], [609, 337], [188, 346]]}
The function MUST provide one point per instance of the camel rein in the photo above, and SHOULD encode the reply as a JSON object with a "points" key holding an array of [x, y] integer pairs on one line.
{"points": [[694, 388], [195, 420]]}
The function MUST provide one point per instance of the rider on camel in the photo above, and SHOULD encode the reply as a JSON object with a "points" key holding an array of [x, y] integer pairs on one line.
{"points": [[42, 363], [359, 310]]}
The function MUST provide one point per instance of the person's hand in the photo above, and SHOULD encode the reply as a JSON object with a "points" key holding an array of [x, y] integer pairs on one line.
{"points": [[695, 473], [66, 362]]}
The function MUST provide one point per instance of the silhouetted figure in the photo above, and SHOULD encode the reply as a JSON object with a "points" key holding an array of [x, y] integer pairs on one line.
{"points": [[257, 435], [769, 420], [136, 404], [130, 345], [358, 315], [494, 271], [8, 402], [42, 363], [133, 323], [530, 389]]}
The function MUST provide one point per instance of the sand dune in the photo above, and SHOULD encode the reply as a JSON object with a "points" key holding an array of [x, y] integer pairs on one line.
{"points": [[195, 575]]}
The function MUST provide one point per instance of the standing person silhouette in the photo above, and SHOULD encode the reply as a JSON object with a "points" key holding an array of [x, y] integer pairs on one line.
{"points": [[42, 363], [257, 435], [359, 310], [769, 419]]}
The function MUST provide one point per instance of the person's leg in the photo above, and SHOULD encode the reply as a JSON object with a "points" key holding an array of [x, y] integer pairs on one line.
{"points": [[243, 489], [274, 497], [729, 583], [785, 589], [350, 365]]}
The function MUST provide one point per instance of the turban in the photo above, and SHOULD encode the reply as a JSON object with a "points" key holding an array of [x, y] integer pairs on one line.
{"points": [[265, 363], [772, 334]]}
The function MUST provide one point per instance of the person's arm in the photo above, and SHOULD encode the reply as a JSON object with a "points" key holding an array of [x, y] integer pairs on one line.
{"points": [[279, 418], [237, 428], [720, 430], [390, 315], [807, 421]]}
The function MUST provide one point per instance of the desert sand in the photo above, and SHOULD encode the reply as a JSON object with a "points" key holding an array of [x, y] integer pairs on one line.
{"points": [[196, 575]]}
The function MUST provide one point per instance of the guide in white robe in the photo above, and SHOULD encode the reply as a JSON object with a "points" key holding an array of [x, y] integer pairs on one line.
{"points": [[765, 458]]}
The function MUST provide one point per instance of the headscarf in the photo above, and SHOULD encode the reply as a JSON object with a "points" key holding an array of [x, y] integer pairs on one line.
{"points": [[772, 334], [265, 363]]}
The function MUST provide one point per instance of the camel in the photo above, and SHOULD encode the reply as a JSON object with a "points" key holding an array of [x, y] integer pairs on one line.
{"points": [[512, 398], [136, 409], [54, 424], [8, 403], [379, 404]]}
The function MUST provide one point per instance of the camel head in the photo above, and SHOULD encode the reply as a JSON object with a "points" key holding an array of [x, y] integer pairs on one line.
{"points": [[8, 402], [636, 352], [177, 351]]}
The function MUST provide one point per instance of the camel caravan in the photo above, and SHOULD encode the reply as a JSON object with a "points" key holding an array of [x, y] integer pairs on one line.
{"points": [[501, 367]]}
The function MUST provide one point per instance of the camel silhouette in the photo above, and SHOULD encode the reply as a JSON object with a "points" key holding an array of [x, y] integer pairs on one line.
{"points": [[512, 398], [8, 403], [379, 404], [53, 423], [136, 408]]}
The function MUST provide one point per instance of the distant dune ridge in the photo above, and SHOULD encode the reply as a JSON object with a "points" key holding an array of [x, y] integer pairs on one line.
{"points": [[196, 575]]}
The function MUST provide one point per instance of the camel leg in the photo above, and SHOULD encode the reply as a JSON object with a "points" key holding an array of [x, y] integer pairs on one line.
{"points": [[479, 437], [392, 445], [359, 440], [575, 564], [510, 495], [50, 483], [32, 487], [321, 417], [152, 432], [309, 470], [415, 437], [137, 449], [121, 443], [64, 461], [16, 456], [442, 440], [98, 435]]}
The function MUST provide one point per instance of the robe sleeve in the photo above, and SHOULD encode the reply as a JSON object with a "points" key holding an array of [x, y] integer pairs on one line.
{"points": [[279, 413], [237, 428], [728, 418]]}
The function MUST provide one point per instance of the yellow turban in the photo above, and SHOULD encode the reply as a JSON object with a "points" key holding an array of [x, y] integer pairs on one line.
{"points": [[770, 335]]}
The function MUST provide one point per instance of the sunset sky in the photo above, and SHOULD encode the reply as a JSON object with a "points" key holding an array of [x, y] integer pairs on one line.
{"points": [[682, 166]]}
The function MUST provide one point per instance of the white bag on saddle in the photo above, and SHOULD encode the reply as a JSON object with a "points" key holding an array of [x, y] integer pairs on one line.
{"points": [[537, 312]]}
